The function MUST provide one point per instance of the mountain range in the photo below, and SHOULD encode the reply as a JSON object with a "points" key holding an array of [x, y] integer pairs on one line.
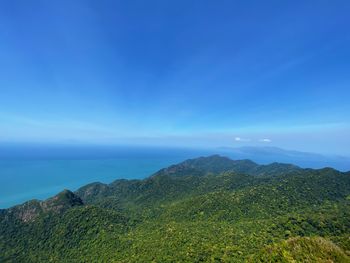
{"points": [[268, 154], [210, 209]]}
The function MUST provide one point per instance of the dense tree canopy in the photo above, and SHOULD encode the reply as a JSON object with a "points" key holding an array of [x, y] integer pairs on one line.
{"points": [[206, 209]]}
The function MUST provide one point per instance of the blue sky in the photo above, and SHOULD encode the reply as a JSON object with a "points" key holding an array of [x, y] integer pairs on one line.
{"points": [[184, 73]]}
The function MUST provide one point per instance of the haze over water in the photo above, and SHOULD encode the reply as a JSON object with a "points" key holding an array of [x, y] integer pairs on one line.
{"points": [[29, 171], [40, 172], [197, 74]]}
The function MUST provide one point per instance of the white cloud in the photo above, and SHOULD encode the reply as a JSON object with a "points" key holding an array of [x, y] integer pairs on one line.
{"points": [[239, 139], [265, 140]]}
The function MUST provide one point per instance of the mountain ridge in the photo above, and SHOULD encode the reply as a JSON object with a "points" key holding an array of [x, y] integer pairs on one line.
{"points": [[31, 209], [204, 165], [202, 209], [268, 154]]}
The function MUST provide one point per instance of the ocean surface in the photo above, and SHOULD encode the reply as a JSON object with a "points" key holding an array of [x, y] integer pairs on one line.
{"points": [[40, 171], [34, 172]]}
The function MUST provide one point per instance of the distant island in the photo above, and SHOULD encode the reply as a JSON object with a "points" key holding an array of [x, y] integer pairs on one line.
{"points": [[207, 209]]}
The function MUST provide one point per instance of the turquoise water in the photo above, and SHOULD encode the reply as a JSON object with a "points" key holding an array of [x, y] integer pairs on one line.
{"points": [[38, 176], [37, 171]]}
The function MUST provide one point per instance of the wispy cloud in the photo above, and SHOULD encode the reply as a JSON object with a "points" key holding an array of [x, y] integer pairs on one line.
{"points": [[265, 140], [239, 139]]}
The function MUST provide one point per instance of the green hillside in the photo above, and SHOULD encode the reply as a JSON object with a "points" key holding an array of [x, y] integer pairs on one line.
{"points": [[209, 209]]}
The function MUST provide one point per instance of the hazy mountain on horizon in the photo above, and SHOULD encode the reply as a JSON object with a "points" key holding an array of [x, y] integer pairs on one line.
{"points": [[259, 154], [269, 154]]}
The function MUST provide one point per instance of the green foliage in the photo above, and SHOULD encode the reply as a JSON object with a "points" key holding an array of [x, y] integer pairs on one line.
{"points": [[303, 249], [200, 210], [89, 231]]}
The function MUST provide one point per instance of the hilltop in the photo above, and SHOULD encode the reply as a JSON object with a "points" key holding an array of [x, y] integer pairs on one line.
{"points": [[204, 209]]}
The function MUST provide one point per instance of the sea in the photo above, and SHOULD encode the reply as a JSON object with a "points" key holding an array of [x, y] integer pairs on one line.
{"points": [[38, 172]]}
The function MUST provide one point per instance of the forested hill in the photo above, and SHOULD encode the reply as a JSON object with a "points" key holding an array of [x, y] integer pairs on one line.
{"points": [[205, 209], [218, 164]]}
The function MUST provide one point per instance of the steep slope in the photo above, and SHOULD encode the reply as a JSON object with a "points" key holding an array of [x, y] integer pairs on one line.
{"points": [[199, 210], [80, 234], [32, 209], [167, 183]]}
